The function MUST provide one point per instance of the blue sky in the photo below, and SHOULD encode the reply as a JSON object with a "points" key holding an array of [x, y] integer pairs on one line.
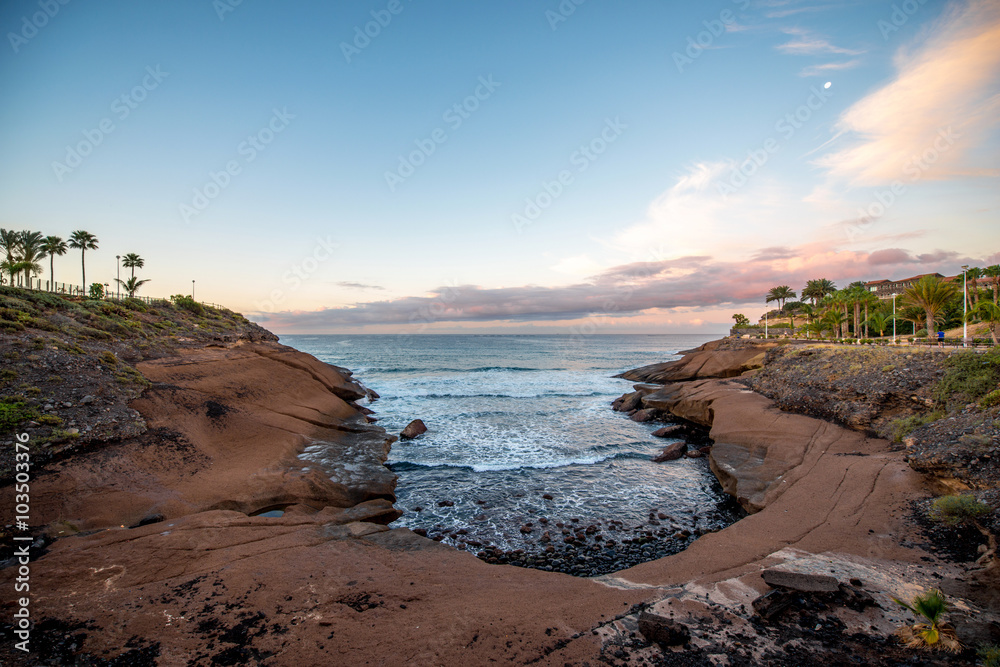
{"points": [[616, 167]]}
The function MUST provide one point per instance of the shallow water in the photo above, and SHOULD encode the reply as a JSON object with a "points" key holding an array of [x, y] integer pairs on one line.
{"points": [[513, 419]]}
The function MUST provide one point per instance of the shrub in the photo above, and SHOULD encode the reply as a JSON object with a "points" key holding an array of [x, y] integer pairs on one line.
{"points": [[96, 291], [900, 428], [13, 411], [958, 510], [187, 303], [109, 358], [989, 654], [8, 375], [990, 399], [888, 369], [968, 377], [50, 420]]}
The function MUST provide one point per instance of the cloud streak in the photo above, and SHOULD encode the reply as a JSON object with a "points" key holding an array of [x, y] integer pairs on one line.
{"points": [[628, 289]]}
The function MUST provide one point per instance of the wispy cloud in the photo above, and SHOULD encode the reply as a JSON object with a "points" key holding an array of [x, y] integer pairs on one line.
{"points": [[816, 70], [949, 80], [804, 42], [359, 286]]}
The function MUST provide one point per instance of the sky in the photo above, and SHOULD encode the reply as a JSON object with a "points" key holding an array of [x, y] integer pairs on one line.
{"points": [[573, 166]]}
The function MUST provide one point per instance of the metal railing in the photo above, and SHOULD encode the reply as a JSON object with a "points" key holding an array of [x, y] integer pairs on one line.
{"points": [[70, 290]]}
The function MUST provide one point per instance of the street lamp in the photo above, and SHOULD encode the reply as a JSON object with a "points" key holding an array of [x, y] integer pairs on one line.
{"points": [[765, 322], [107, 291], [192, 290], [894, 295], [965, 306], [118, 269]]}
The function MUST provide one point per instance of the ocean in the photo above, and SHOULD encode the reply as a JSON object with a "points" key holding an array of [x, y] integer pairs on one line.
{"points": [[523, 453]]}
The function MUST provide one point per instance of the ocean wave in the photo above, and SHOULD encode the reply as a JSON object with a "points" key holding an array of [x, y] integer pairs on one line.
{"points": [[500, 466], [479, 369], [543, 394]]}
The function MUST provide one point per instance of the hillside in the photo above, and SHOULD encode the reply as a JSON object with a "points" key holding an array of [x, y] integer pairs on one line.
{"points": [[69, 365]]}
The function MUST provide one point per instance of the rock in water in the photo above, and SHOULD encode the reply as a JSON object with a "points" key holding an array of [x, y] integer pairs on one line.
{"points": [[646, 415], [671, 452], [632, 401], [666, 431], [413, 429], [660, 630]]}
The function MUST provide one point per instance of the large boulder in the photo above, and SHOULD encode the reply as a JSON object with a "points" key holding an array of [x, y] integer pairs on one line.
{"points": [[412, 430], [671, 452], [661, 630]]}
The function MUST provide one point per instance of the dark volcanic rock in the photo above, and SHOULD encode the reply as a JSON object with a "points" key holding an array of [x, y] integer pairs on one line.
{"points": [[645, 415], [413, 429], [660, 630], [800, 581], [667, 431], [671, 452]]}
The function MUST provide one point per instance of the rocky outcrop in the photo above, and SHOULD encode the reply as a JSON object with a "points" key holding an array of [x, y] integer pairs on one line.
{"points": [[671, 452], [716, 359], [226, 428]]}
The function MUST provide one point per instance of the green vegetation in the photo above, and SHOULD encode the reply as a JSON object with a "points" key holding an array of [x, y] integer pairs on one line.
{"points": [[989, 654], [991, 399], [933, 632], [904, 426], [187, 303], [13, 411], [741, 320], [968, 378], [959, 510]]}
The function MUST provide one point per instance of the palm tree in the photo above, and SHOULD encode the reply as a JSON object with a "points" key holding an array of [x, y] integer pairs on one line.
{"points": [[834, 320], [131, 285], [31, 252], [52, 246], [993, 273], [780, 294], [83, 241], [10, 242], [133, 261], [817, 289], [879, 321], [840, 301], [935, 633], [932, 295], [989, 312]]}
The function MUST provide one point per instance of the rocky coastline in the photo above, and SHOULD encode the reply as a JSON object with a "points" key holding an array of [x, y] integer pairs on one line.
{"points": [[199, 537]]}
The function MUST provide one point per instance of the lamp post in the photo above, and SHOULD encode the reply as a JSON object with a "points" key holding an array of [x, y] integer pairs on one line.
{"points": [[118, 269], [894, 318], [192, 290], [965, 306], [765, 323], [107, 291]]}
